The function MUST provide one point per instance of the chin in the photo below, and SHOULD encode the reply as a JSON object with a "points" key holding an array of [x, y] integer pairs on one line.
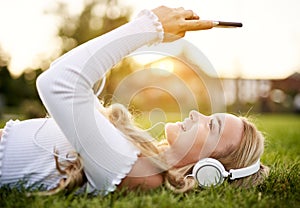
{"points": [[171, 132]]}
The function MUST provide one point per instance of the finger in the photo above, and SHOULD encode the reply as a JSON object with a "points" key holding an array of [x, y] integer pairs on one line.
{"points": [[196, 17], [179, 8], [191, 25], [188, 14]]}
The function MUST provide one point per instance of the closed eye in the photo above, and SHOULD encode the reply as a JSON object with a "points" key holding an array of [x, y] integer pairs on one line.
{"points": [[220, 124], [210, 124]]}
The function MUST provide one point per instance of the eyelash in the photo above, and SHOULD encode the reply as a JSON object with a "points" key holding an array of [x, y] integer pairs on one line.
{"points": [[210, 124]]}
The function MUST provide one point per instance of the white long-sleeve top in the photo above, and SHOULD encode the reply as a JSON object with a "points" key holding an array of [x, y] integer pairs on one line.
{"points": [[66, 91]]}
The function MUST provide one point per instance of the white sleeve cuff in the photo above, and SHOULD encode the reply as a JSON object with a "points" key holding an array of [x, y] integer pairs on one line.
{"points": [[156, 23]]}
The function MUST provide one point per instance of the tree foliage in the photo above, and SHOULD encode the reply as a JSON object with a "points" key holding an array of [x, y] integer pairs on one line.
{"points": [[96, 18]]}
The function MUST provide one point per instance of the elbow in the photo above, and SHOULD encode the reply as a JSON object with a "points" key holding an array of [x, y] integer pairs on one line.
{"points": [[43, 85], [47, 84], [58, 84]]}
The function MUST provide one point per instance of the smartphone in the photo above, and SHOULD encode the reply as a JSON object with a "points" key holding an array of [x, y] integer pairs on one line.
{"points": [[224, 24]]}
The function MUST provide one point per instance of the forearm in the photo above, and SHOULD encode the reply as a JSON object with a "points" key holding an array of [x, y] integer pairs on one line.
{"points": [[95, 57]]}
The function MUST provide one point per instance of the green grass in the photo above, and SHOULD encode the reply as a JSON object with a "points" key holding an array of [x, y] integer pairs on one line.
{"points": [[281, 189]]}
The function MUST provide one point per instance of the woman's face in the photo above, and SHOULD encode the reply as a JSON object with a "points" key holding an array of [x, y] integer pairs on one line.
{"points": [[200, 136]]}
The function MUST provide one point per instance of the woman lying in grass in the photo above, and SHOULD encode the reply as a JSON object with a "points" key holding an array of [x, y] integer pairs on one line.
{"points": [[99, 149]]}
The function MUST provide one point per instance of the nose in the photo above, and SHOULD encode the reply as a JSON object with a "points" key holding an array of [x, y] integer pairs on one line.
{"points": [[197, 116]]}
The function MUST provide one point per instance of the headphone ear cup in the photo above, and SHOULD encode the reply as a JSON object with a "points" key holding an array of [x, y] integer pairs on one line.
{"points": [[209, 172]]}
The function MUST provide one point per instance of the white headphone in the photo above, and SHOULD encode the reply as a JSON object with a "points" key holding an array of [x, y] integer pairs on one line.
{"points": [[210, 172]]}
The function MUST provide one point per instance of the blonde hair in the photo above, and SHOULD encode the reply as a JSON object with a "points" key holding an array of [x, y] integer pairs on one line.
{"points": [[74, 175], [249, 151]]}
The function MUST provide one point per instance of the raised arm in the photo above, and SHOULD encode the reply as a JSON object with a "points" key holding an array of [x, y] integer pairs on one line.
{"points": [[66, 91]]}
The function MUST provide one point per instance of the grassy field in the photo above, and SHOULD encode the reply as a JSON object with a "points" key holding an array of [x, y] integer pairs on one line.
{"points": [[281, 189]]}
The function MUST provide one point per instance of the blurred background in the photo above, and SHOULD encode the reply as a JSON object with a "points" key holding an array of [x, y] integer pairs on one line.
{"points": [[256, 67]]}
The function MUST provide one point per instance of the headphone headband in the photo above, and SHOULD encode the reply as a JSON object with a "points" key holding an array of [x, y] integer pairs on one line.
{"points": [[243, 172]]}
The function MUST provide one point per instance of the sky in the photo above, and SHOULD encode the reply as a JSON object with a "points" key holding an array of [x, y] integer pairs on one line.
{"points": [[267, 46]]}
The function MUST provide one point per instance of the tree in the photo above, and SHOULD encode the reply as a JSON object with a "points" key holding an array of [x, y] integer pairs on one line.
{"points": [[18, 92], [96, 18]]}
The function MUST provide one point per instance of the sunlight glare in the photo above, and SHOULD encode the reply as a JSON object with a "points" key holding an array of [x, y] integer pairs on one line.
{"points": [[144, 59], [166, 65]]}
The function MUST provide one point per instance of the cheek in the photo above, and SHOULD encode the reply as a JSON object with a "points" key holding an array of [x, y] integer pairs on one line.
{"points": [[171, 132], [195, 137], [207, 142], [201, 135]]}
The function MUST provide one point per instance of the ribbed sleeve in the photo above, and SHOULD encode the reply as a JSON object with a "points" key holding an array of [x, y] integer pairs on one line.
{"points": [[25, 154], [66, 91]]}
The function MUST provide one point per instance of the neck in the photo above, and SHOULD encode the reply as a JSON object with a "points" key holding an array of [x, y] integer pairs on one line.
{"points": [[178, 159], [144, 175]]}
